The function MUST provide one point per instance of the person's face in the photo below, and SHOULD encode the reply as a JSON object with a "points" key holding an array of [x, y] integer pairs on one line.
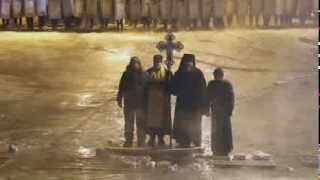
{"points": [[157, 64], [136, 66], [218, 77], [189, 66]]}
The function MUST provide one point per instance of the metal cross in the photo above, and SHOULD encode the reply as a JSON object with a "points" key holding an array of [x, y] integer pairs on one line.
{"points": [[170, 46]]}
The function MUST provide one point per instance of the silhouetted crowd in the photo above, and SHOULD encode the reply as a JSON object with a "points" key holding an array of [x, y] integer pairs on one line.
{"points": [[170, 14]]}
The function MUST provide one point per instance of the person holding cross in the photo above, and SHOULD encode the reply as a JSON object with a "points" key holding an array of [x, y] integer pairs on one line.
{"points": [[158, 102]]}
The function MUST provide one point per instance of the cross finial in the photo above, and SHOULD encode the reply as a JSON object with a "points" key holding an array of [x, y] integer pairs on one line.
{"points": [[170, 46]]}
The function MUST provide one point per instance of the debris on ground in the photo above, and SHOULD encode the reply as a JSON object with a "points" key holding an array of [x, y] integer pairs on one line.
{"points": [[261, 156], [12, 148], [290, 169], [239, 156]]}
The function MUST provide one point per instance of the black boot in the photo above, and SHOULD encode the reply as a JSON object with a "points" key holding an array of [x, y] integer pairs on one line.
{"points": [[151, 141], [161, 140]]}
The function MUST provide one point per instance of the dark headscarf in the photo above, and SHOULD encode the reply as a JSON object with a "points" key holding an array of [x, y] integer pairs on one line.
{"points": [[134, 60], [185, 59], [218, 72]]}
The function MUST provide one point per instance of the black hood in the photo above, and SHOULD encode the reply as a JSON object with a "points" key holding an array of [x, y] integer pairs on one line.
{"points": [[187, 58]]}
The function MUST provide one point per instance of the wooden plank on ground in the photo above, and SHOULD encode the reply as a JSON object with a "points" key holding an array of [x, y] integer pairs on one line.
{"points": [[244, 163], [150, 151]]}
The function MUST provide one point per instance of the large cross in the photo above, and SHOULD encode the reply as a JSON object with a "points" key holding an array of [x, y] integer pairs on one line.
{"points": [[170, 46]]}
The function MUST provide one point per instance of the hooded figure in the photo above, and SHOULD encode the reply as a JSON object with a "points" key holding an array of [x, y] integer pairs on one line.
{"points": [[131, 98], [221, 101], [158, 104], [189, 85]]}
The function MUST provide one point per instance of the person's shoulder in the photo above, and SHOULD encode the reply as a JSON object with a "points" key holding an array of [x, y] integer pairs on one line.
{"points": [[149, 70], [168, 71], [198, 70], [126, 72], [212, 83], [227, 83]]}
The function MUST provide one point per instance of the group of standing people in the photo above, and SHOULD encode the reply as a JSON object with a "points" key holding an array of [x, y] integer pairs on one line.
{"points": [[145, 97], [75, 14], [98, 14]]}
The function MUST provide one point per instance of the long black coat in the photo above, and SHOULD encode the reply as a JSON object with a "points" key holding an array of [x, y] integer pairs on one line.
{"points": [[221, 100], [190, 89], [165, 88]]}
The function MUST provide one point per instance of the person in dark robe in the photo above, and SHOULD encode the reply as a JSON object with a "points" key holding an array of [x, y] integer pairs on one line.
{"points": [[131, 98], [189, 85], [221, 100], [158, 107]]}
